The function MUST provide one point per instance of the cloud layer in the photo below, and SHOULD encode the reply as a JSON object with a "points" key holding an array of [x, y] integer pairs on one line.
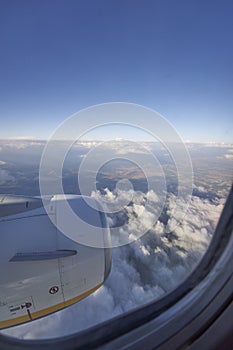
{"points": [[141, 271]]}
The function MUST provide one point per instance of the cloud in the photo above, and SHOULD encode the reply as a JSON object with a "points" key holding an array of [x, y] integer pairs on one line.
{"points": [[141, 271], [20, 143], [228, 156], [200, 189], [2, 163], [86, 144], [24, 138], [5, 177]]}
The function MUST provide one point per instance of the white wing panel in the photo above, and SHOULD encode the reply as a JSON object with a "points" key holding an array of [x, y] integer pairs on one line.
{"points": [[42, 270], [35, 286], [25, 285]]}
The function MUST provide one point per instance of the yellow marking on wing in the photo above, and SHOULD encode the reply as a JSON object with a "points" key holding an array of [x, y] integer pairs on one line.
{"points": [[25, 318], [14, 321]]}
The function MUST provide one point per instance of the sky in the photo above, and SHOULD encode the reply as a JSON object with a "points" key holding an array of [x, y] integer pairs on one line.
{"points": [[58, 57]]}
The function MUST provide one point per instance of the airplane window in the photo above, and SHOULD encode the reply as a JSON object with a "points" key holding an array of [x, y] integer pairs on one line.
{"points": [[156, 183]]}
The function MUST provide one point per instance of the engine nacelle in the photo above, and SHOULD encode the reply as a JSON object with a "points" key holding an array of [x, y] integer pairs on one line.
{"points": [[42, 270]]}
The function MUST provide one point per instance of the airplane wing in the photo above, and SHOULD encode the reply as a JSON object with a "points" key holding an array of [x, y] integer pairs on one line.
{"points": [[41, 269]]}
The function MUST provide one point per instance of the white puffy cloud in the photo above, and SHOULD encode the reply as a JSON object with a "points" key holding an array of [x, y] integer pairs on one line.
{"points": [[86, 144], [143, 270], [201, 189]]}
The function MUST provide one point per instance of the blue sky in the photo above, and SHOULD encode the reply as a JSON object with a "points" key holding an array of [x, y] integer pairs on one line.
{"points": [[59, 56]]}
